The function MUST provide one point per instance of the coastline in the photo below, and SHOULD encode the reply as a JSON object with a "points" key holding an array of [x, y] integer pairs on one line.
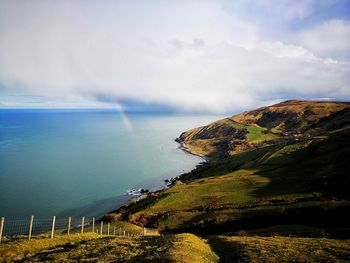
{"points": [[184, 148], [181, 177]]}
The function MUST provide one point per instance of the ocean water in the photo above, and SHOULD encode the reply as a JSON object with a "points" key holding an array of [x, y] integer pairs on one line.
{"points": [[61, 162]]}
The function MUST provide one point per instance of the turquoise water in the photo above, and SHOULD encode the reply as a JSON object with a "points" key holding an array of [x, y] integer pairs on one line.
{"points": [[82, 162]]}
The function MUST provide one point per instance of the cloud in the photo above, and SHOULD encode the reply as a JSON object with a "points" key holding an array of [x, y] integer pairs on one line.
{"points": [[196, 43], [192, 56], [329, 39], [287, 10]]}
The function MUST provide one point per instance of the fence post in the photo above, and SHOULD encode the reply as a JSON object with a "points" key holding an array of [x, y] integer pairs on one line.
{"points": [[101, 231], [93, 224], [82, 225], [124, 232], [30, 226], [114, 231], [108, 229], [53, 226], [144, 231], [69, 223], [2, 223]]}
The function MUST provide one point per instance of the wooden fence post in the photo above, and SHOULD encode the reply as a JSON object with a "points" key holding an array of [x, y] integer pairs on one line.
{"points": [[144, 231], [108, 229], [124, 232], [30, 226], [101, 231], [114, 231], [53, 227], [93, 224], [69, 223], [82, 225], [2, 223]]}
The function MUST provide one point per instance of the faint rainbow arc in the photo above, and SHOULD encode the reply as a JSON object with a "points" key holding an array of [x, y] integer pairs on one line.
{"points": [[125, 117]]}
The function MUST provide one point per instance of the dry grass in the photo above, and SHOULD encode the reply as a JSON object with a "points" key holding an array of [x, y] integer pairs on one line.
{"points": [[190, 248], [280, 249], [89, 247], [176, 248], [20, 249]]}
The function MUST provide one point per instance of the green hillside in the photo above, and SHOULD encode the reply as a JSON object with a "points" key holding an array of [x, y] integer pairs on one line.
{"points": [[261, 182], [266, 126], [299, 177]]}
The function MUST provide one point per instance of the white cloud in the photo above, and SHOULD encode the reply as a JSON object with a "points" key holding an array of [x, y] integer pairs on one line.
{"points": [[190, 55], [281, 50], [329, 39], [285, 9]]}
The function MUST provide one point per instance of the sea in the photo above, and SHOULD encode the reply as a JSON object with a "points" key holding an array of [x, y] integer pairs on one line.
{"points": [[82, 162]]}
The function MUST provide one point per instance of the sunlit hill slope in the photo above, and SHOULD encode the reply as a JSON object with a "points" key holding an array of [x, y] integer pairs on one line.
{"points": [[282, 164]]}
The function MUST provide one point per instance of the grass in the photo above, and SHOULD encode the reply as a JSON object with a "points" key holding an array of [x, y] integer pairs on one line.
{"points": [[229, 188], [297, 231], [257, 134], [20, 249], [266, 126], [190, 248], [206, 147], [177, 248], [76, 248], [266, 180], [280, 249]]}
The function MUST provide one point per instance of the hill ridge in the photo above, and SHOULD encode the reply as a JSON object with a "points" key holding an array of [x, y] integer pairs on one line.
{"points": [[260, 127]]}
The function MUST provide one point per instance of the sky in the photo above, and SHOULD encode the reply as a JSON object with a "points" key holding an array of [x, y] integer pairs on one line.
{"points": [[186, 56]]}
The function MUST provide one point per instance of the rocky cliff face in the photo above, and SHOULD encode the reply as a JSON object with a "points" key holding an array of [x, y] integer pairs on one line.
{"points": [[287, 120]]}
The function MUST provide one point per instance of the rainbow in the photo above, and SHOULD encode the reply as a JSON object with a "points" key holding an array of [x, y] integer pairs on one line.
{"points": [[124, 116]]}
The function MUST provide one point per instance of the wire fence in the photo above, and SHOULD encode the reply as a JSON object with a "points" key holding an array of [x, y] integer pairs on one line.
{"points": [[32, 227]]}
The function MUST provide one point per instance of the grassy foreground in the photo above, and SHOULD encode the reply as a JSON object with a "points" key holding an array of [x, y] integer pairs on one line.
{"points": [[176, 248], [91, 247], [280, 249]]}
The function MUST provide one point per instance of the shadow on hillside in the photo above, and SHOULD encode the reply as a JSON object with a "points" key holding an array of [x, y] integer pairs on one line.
{"points": [[228, 252], [322, 167], [309, 166]]}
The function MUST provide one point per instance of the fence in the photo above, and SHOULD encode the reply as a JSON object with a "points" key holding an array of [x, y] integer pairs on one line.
{"points": [[33, 227]]}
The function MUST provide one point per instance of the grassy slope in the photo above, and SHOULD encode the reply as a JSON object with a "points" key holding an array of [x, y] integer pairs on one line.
{"points": [[177, 248], [304, 173], [264, 126], [19, 249], [280, 249], [170, 248], [207, 146]]}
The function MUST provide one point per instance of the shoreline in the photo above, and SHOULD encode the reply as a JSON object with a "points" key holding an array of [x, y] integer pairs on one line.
{"points": [[181, 177], [184, 148]]}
